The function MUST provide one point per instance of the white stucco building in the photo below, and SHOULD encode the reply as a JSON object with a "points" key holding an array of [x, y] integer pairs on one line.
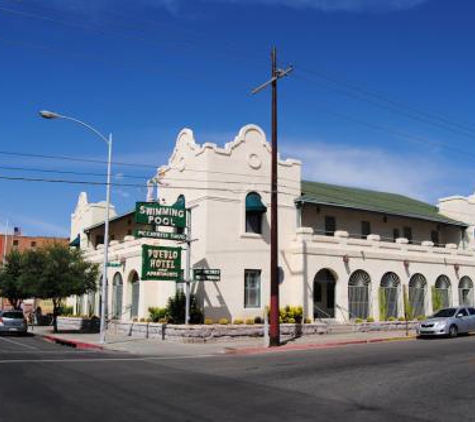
{"points": [[345, 253]]}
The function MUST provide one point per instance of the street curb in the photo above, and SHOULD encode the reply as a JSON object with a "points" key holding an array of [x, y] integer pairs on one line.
{"points": [[329, 345], [70, 343]]}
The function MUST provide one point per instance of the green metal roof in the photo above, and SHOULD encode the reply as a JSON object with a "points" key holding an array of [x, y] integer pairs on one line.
{"points": [[374, 201], [116, 218]]}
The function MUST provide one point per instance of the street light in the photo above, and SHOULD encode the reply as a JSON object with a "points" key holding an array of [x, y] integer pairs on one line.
{"points": [[108, 140]]}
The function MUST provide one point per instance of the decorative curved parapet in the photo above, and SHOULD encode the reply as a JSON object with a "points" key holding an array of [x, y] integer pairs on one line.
{"points": [[427, 244], [186, 142], [402, 241]]}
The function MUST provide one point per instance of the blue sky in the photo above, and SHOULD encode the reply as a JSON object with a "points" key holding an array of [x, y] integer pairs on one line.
{"points": [[365, 71]]}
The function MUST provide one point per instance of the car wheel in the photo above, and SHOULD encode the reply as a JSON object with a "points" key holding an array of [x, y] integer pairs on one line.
{"points": [[453, 331]]}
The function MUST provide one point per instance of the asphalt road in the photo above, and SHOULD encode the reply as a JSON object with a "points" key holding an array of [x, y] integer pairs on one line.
{"points": [[426, 380]]}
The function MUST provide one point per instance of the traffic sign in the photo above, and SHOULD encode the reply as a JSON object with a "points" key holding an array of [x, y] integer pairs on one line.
{"points": [[206, 274], [160, 235]]}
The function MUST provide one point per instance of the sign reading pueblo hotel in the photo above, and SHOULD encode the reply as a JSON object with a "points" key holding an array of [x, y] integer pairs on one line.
{"points": [[161, 263]]}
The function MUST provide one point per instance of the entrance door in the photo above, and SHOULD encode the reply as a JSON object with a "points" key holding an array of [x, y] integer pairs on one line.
{"points": [[324, 295]]}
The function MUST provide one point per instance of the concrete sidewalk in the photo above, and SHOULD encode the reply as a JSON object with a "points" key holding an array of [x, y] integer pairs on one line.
{"points": [[154, 347]]}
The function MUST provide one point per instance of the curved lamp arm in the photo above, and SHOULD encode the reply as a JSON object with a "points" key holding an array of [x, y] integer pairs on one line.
{"points": [[52, 115]]}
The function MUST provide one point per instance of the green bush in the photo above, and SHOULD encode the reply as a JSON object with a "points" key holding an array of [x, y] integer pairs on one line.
{"points": [[250, 321], [401, 319], [238, 321], [162, 320], [157, 313], [370, 319], [176, 309], [209, 321], [359, 320], [66, 310], [307, 321], [291, 314], [391, 319], [223, 321], [258, 320], [421, 318]]}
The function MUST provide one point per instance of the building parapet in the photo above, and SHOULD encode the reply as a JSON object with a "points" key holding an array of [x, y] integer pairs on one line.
{"points": [[373, 247]]}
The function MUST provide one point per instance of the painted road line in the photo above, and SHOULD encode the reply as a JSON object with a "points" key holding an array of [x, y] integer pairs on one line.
{"points": [[17, 343], [92, 360]]}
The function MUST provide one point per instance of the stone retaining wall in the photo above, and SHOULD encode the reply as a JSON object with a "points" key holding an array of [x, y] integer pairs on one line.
{"points": [[81, 325], [386, 326], [205, 333], [215, 332]]}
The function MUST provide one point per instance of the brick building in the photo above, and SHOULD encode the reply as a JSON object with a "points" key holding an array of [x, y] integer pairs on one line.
{"points": [[17, 241]]}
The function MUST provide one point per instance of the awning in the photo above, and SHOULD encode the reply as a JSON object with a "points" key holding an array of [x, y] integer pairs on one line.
{"points": [[76, 243], [254, 204]]}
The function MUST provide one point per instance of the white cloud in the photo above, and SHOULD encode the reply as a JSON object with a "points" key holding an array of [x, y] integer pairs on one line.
{"points": [[371, 168], [100, 6], [322, 5]]}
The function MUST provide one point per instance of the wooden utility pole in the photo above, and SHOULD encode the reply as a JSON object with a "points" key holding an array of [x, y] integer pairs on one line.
{"points": [[276, 74]]}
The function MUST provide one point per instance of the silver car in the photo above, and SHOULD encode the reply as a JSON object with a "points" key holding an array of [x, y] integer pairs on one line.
{"points": [[448, 322], [13, 322]]}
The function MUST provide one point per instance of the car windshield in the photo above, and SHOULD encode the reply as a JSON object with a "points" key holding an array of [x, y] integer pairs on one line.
{"points": [[13, 315], [445, 313]]}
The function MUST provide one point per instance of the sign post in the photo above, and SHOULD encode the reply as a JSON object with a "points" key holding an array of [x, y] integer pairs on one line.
{"points": [[188, 266]]}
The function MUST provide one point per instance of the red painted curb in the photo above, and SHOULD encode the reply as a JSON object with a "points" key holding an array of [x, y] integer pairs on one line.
{"points": [[262, 350], [72, 343]]}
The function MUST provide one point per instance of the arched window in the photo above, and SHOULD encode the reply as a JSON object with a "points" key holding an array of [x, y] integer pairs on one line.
{"points": [[417, 294], [324, 294], [117, 290], [466, 291], [441, 293], [389, 292], [358, 294], [135, 290], [254, 211]]}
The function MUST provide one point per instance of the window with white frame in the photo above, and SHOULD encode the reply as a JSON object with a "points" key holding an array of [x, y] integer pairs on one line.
{"points": [[252, 288]]}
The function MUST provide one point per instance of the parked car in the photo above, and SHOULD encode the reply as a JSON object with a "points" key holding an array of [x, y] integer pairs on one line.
{"points": [[448, 322], [13, 322]]}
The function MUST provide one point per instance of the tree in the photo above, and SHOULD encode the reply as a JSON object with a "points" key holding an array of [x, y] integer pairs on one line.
{"points": [[55, 272], [11, 285]]}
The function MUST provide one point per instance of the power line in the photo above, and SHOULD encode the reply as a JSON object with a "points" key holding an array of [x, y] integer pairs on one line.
{"points": [[385, 98], [128, 176], [391, 108], [391, 131], [121, 163], [396, 106], [94, 183]]}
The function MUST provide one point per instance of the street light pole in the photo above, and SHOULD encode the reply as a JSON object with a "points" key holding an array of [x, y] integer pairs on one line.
{"points": [[108, 140]]}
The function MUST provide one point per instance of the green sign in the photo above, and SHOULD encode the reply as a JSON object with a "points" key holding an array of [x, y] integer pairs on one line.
{"points": [[160, 215], [206, 274], [160, 235], [114, 264], [161, 263]]}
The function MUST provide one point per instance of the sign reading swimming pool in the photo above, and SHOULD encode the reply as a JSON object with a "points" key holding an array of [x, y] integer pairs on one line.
{"points": [[161, 263], [160, 215]]}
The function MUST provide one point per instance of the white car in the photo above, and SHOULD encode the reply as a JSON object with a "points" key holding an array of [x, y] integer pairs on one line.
{"points": [[448, 322]]}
